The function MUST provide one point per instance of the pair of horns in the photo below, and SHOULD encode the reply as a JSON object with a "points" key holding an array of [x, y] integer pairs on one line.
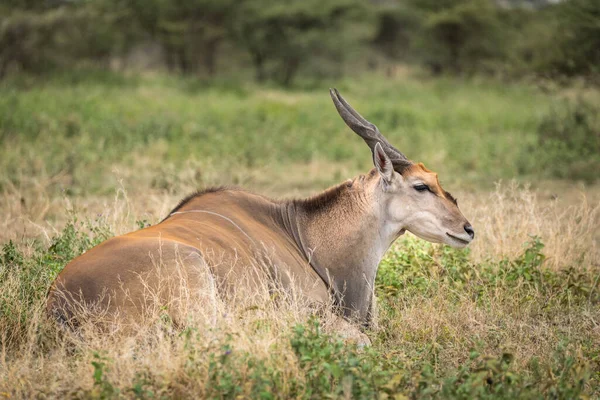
{"points": [[368, 131]]}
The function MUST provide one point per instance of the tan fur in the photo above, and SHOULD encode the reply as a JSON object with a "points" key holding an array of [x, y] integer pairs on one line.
{"points": [[328, 244], [231, 231]]}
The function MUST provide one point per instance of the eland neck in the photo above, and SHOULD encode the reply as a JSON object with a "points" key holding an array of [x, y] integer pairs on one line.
{"points": [[344, 237]]}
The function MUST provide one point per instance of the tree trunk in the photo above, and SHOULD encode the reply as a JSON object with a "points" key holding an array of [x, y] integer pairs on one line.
{"points": [[2, 69], [182, 61], [210, 56], [170, 58], [259, 65], [290, 68]]}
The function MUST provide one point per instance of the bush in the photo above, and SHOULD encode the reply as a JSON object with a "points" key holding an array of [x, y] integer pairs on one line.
{"points": [[459, 36], [282, 38], [423, 268], [569, 141], [25, 279], [39, 40], [575, 44]]}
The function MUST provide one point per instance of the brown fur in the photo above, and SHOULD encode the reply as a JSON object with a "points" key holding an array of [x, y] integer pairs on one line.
{"points": [[325, 200], [430, 178], [229, 230], [196, 194]]}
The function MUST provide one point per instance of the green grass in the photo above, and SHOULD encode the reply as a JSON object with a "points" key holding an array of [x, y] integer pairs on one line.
{"points": [[405, 362], [514, 317], [466, 130]]}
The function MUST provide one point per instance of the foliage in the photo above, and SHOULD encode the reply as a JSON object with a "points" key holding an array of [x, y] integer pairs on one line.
{"points": [[569, 140], [285, 39], [414, 272], [396, 29], [326, 366], [38, 39], [483, 37], [576, 41], [332, 368], [288, 34], [190, 32], [35, 271], [459, 36], [103, 389]]}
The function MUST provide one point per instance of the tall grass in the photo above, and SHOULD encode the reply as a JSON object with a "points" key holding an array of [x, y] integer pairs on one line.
{"points": [[75, 135], [495, 321], [515, 315], [78, 135]]}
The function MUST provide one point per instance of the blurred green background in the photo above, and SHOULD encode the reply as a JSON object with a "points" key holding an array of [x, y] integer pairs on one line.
{"points": [[111, 111], [289, 40], [477, 89]]}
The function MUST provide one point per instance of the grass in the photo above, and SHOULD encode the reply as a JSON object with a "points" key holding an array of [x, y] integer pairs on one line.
{"points": [[76, 135], [510, 322], [514, 316]]}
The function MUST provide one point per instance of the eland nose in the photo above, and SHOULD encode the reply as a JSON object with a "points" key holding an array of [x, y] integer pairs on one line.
{"points": [[470, 231]]}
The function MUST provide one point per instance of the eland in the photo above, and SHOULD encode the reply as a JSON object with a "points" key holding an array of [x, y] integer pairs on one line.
{"points": [[328, 246]]}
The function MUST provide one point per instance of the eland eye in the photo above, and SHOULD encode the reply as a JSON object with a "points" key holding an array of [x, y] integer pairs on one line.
{"points": [[421, 188]]}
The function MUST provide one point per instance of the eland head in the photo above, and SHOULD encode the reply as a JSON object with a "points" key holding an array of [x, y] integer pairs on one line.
{"points": [[410, 195]]}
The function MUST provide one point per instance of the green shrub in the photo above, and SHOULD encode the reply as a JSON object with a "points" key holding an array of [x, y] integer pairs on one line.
{"points": [[569, 141], [459, 36], [328, 367], [572, 48], [34, 273], [420, 269], [331, 369]]}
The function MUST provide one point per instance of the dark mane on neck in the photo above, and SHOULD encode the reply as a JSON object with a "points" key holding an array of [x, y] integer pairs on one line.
{"points": [[324, 200], [320, 202], [199, 193]]}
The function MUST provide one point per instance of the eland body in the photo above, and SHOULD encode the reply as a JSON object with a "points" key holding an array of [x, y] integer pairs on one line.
{"points": [[329, 244]]}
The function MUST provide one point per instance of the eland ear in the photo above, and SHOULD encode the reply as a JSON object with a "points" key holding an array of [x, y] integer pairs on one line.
{"points": [[383, 163]]}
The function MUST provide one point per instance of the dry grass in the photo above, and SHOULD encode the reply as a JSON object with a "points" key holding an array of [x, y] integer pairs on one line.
{"points": [[115, 156], [176, 355], [506, 218], [440, 327], [35, 209], [156, 347]]}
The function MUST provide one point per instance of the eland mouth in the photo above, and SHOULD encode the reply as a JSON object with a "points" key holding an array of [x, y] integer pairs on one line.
{"points": [[461, 241]]}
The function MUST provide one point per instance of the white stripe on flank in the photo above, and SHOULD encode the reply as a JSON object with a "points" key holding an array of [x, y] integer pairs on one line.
{"points": [[218, 215]]}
